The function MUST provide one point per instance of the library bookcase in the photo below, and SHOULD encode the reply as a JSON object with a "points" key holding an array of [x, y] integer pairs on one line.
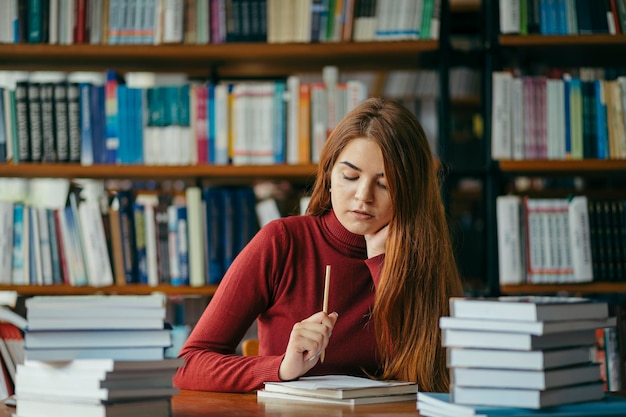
{"points": [[215, 62], [541, 54]]}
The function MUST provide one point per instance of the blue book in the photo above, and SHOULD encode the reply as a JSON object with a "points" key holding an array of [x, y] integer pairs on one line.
{"points": [[247, 226], [212, 197], [55, 256], [137, 122], [279, 118], [17, 259], [179, 253], [123, 150], [211, 123], [98, 124], [229, 221], [3, 137], [601, 122], [127, 224], [86, 131], [438, 404]]}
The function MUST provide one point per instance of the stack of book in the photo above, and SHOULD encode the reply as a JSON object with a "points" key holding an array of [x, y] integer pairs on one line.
{"points": [[337, 389], [95, 356], [61, 328], [436, 404], [529, 352]]}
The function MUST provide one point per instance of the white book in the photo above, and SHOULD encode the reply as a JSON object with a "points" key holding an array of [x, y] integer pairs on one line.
{"points": [[151, 245], [107, 365], [511, 265], [555, 122], [501, 145], [53, 22], [515, 341], [83, 394], [197, 269], [523, 379], [527, 327], [510, 16], [267, 397], [173, 19], [526, 398], [517, 119], [99, 271], [122, 354], [341, 387], [580, 239], [96, 311], [525, 308], [96, 338], [517, 359], [38, 407], [69, 302], [86, 323]]}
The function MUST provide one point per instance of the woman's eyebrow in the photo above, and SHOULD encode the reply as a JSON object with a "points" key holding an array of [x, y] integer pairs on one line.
{"points": [[354, 167]]}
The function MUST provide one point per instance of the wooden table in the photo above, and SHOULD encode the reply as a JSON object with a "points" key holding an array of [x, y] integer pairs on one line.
{"points": [[202, 404], [206, 404]]}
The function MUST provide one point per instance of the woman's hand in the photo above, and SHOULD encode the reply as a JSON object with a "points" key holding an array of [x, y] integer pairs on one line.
{"points": [[375, 242], [307, 341]]}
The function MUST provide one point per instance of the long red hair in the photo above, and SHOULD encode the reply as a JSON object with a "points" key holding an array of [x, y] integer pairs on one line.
{"points": [[420, 273]]}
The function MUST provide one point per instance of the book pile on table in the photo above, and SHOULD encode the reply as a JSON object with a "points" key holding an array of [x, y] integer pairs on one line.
{"points": [[529, 352], [337, 389], [95, 356]]}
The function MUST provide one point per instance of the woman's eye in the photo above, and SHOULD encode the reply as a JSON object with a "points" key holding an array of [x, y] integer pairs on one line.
{"points": [[383, 186], [345, 177]]}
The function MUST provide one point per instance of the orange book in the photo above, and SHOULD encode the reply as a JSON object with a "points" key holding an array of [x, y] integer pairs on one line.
{"points": [[304, 124]]}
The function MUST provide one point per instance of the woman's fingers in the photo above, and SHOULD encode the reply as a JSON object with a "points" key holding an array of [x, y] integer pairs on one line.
{"points": [[307, 341]]}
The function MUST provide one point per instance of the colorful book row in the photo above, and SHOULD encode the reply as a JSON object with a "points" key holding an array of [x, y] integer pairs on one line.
{"points": [[562, 117], [554, 240], [562, 17], [147, 239], [119, 22], [102, 118]]}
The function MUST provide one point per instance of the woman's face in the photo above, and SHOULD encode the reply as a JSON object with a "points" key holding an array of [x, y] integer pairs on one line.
{"points": [[358, 188]]}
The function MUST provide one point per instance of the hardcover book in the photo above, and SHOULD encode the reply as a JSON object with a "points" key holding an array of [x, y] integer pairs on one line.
{"points": [[525, 308]]}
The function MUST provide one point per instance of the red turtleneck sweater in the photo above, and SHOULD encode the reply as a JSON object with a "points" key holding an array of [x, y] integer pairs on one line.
{"points": [[279, 279]]}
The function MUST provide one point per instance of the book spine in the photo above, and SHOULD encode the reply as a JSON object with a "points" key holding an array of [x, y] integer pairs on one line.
{"points": [[47, 122], [579, 239], [35, 122], [6, 241], [86, 126], [74, 122], [22, 122], [61, 121], [213, 205]]}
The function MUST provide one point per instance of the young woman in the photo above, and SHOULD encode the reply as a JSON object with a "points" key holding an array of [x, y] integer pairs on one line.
{"points": [[376, 217]]}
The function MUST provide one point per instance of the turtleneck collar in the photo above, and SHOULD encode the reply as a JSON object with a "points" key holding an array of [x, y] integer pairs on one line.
{"points": [[350, 241]]}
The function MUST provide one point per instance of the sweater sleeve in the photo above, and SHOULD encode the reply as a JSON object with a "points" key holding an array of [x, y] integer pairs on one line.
{"points": [[245, 291], [375, 266]]}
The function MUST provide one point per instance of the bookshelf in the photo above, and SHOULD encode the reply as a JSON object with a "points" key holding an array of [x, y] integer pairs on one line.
{"points": [[214, 62], [536, 54]]}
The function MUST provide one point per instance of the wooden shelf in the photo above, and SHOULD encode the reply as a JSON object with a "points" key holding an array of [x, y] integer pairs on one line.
{"points": [[565, 166], [465, 6], [564, 51], [236, 59], [135, 289], [561, 40], [244, 173], [589, 288]]}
